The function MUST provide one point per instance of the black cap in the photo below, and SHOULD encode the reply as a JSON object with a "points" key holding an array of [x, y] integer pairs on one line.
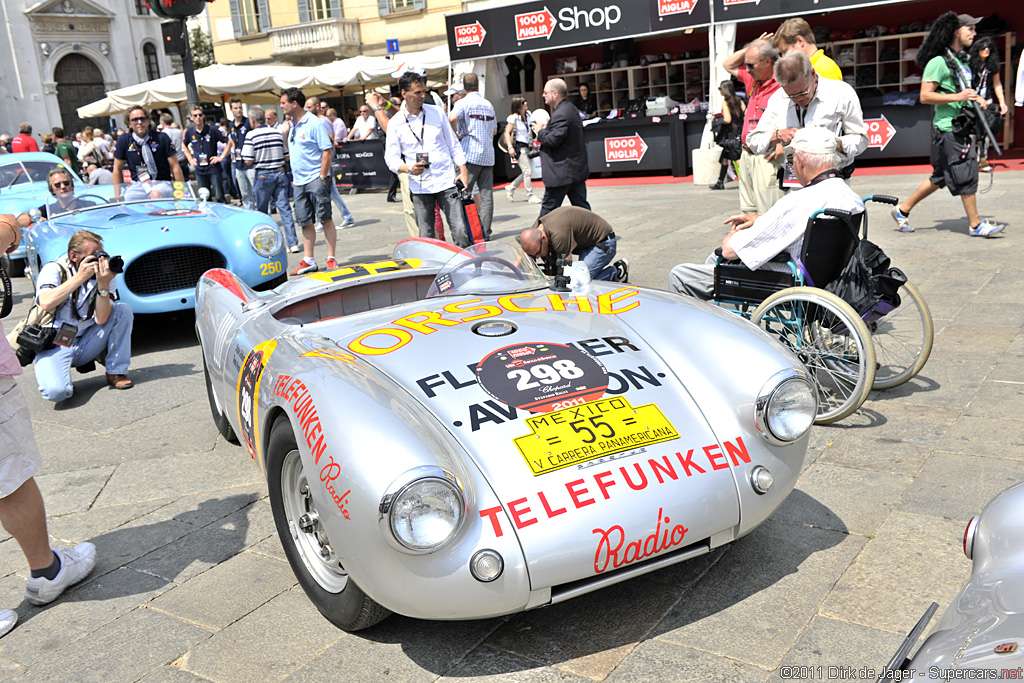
{"points": [[967, 20]]}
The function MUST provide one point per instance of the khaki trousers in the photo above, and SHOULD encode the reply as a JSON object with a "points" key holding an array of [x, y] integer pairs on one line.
{"points": [[410, 216], [759, 184]]}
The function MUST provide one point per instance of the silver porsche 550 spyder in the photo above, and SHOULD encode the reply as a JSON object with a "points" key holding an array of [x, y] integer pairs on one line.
{"points": [[447, 435]]}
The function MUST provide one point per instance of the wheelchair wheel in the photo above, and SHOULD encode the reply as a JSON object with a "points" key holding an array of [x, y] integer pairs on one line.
{"points": [[902, 339], [831, 340]]}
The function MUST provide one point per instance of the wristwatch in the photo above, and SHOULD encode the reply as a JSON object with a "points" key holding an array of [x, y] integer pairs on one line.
{"points": [[103, 293], [323, 178]]}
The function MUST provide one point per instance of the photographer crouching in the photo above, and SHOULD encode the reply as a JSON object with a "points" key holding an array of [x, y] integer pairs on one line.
{"points": [[79, 289]]}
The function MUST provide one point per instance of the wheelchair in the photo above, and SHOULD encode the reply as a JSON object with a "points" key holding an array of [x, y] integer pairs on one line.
{"points": [[846, 353]]}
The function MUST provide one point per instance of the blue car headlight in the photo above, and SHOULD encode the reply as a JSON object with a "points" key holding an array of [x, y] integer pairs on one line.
{"points": [[265, 240]]}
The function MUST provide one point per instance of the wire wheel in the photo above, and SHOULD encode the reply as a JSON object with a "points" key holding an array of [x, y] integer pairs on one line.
{"points": [[902, 339], [832, 341]]}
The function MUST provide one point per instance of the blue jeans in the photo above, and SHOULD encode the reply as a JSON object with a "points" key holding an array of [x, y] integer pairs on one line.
{"points": [[53, 366], [346, 215], [244, 180], [274, 185], [598, 260], [451, 205]]}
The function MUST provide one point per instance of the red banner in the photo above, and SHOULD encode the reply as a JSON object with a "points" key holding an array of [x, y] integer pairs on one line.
{"points": [[470, 34]]}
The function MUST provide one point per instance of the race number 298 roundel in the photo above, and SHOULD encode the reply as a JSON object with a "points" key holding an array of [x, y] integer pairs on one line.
{"points": [[541, 377], [248, 393]]}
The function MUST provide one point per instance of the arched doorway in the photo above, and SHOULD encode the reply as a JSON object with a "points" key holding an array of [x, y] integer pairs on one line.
{"points": [[79, 82]]}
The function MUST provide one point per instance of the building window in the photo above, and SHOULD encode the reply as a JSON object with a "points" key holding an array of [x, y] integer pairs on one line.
{"points": [[320, 10], [251, 20], [141, 7], [390, 6], [152, 65]]}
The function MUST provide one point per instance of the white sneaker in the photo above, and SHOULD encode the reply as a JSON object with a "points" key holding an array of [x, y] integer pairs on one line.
{"points": [[510, 191], [533, 199], [294, 249], [75, 565], [8, 618], [319, 227]]}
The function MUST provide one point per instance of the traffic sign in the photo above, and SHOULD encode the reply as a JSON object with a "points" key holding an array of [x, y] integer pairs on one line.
{"points": [[392, 45]]}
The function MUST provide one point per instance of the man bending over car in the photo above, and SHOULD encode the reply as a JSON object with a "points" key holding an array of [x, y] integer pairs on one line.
{"points": [[756, 239], [80, 289]]}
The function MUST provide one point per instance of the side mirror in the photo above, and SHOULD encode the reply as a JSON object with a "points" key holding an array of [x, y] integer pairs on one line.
{"points": [[204, 194], [35, 214]]}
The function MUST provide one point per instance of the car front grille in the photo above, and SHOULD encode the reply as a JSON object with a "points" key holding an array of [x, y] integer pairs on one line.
{"points": [[168, 270]]}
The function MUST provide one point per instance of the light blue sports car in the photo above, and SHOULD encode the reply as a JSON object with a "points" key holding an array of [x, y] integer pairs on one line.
{"points": [[23, 188], [167, 240]]}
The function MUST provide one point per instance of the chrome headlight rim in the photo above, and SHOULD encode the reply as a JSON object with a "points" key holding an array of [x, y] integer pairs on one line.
{"points": [[768, 392], [260, 230], [402, 484]]}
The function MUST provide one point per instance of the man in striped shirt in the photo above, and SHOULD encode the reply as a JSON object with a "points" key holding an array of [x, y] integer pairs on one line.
{"points": [[264, 149]]}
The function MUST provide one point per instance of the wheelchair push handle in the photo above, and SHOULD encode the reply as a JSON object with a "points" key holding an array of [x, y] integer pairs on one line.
{"points": [[837, 213], [882, 198]]}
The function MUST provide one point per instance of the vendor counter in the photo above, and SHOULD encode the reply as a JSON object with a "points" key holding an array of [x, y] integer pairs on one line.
{"points": [[648, 145], [896, 131]]}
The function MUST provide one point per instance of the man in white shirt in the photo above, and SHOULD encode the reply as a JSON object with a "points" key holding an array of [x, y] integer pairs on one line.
{"points": [[804, 99], [755, 240], [365, 127], [420, 141]]}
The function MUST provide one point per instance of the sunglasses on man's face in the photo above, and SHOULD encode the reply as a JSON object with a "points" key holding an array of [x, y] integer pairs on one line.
{"points": [[139, 119], [62, 183]]}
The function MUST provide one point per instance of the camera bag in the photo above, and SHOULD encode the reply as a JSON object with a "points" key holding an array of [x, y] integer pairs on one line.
{"points": [[34, 333]]}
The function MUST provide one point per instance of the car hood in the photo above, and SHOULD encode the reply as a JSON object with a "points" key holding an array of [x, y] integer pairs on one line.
{"points": [[131, 231], [633, 470]]}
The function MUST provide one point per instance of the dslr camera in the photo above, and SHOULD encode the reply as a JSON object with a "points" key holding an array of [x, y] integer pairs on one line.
{"points": [[116, 263]]}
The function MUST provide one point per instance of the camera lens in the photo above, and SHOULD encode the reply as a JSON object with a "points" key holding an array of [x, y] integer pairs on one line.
{"points": [[116, 264]]}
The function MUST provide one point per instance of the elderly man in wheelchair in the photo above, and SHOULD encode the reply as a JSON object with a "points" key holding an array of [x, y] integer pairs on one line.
{"points": [[773, 268], [756, 240]]}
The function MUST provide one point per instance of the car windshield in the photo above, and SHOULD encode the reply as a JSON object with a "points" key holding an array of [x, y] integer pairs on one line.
{"points": [[20, 173], [130, 192], [488, 268]]}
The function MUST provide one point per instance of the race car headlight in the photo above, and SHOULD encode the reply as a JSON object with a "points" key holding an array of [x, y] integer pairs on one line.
{"points": [[786, 407], [265, 240], [424, 509]]}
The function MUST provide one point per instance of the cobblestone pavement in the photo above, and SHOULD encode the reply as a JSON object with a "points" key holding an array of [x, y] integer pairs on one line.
{"points": [[191, 583]]}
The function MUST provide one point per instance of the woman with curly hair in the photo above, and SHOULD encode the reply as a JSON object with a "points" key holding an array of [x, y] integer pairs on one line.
{"points": [[732, 123], [984, 63], [954, 156]]}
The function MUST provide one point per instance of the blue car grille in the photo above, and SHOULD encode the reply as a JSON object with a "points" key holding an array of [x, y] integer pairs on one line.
{"points": [[168, 270]]}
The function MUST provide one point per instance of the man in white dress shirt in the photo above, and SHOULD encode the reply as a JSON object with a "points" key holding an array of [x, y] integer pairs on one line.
{"points": [[804, 99], [420, 141], [755, 240]]}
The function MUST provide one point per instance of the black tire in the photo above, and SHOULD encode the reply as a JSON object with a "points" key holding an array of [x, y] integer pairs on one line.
{"points": [[324, 579], [219, 418]]}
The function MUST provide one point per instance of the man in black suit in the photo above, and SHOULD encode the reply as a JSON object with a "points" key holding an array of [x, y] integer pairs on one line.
{"points": [[563, 153]]}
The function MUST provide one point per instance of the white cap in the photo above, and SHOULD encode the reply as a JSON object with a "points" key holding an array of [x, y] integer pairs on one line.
{"points": [[813, 140]]}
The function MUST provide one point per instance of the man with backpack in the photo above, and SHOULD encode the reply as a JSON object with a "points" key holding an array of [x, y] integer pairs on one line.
{"points": [[945, 85]]}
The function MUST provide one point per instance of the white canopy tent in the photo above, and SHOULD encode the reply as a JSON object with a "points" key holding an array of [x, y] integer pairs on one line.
{"points": [[262, 84]]}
